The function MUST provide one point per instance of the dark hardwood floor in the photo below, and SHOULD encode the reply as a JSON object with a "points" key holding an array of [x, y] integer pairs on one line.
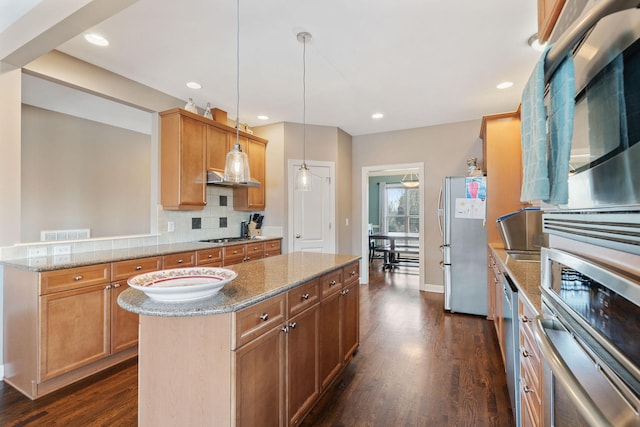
{"points": [[417, 366]]}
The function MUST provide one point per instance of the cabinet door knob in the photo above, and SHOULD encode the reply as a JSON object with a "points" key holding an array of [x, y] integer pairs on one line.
{"points": [[525, 319], [346, 291], [353, 273], [264, 316], [116, 286], [332, 283], [305, 296], [292, 325], [527, 389], [78, 277], [525, 353], [298, 236], [138, 267], [106, 288], [285, 329]]}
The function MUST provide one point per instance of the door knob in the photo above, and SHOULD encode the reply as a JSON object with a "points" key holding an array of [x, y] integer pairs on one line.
{"points": [[298, 236]]}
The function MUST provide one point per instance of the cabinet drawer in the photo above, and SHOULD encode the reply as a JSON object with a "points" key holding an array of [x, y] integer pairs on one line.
{"points": [[209, 256], [531, 396], [255, 251], [257, 319], [184, 259], [530, 356], [122, 270], [272, 248], [234, 254], [331, 282], [73, 278], [303, 297], [351, 273]]}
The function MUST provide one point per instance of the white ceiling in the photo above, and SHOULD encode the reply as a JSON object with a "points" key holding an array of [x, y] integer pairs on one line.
{"points": [[420, 62]]}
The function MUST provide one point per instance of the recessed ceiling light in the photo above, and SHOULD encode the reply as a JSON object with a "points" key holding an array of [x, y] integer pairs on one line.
{"points": [[96, 39], [535, 43], [504, 85], [377, 116], [194, 85], [263, 117]]}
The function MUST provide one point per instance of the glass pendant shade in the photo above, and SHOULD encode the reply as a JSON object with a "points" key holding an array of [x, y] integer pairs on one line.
{"points": [[411, 181], [303, 178], [236, 166]]}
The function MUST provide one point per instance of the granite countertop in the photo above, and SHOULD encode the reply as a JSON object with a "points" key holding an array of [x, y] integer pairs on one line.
{"points": [[525, 274], [81, 259], [257, 280]]}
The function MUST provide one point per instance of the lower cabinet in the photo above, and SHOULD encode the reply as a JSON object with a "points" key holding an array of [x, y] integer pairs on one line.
{"points": [[530, 369], [260, 380], [284, 368], [66, 342]]}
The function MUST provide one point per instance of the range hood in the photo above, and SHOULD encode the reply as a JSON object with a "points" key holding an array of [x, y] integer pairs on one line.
{"points": [[217, 178]]}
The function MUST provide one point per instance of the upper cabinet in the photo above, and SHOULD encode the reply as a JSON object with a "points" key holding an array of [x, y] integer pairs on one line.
{"points": [[253, 198], [182, 161], [502, 154], [548, 12], [191, 145]]}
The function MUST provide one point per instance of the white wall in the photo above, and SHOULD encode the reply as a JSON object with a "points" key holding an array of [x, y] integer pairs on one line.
{"points": [[444, 149]]}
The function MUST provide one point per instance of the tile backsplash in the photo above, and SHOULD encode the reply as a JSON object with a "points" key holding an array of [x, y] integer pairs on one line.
{"points": [[213, 218]]}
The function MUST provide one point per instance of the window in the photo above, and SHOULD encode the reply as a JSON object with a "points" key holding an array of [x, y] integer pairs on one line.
{"points": [[402, 213]]}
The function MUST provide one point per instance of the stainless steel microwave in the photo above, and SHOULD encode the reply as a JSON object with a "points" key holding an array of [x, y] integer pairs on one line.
{"points": [[605, 149]]}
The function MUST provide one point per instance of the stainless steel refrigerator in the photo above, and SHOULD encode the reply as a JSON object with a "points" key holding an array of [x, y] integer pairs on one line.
{"points": [[464, 247]]}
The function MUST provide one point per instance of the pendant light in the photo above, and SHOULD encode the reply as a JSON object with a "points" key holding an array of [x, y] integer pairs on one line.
{"points": [[236, 166], [303, 175], [410, 180]]}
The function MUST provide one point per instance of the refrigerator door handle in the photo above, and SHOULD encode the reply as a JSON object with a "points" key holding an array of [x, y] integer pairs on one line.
{"points": [[440, 212]]}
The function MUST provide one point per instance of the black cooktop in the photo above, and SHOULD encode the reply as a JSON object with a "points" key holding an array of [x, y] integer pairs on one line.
{"points": [[226, 240]]}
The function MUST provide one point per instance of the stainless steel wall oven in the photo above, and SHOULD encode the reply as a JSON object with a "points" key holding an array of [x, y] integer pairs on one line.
{"points": [[589, 335]]}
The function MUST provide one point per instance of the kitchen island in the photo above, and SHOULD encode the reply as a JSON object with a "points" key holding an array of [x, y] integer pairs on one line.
{"points": [[260, 352]]}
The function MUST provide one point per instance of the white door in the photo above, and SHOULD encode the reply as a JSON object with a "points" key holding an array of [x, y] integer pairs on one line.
{"points": [[311, 213]]}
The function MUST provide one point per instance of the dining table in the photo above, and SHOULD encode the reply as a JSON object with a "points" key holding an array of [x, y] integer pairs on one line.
{"points": [[399, 243]]}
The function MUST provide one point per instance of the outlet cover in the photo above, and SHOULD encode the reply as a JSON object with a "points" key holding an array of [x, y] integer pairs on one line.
{"points": [[62, 250], [223, 222]]}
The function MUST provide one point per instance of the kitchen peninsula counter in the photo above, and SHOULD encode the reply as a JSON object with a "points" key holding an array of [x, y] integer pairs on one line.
{"points": [[81, 259]]}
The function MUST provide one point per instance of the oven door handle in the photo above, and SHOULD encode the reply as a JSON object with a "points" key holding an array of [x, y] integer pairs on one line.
{"points": [[563, 374]]}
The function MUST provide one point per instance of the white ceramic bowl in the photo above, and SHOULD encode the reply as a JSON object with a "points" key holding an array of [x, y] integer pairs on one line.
{"points": [[182, 284]]}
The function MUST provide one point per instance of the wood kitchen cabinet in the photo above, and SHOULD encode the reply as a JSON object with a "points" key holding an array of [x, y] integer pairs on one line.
{"points": [[182, 161], [303, 385], [495, 292], [191, 145], [179, 260], [209, 257], [531, 402], [253, 198], [124, 324], [60, 327], [502, 157], [548, 13], [350, 311], [74, 329], [272, 248]]}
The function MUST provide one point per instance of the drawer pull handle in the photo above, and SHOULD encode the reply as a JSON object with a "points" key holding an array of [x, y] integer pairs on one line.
{"points": [[264, 316], [78, 277], [210, 256], [179, 261], [235, 252], [353, 273], [346, 291], [292, 325], [527, 389], [305, 296], [332, 283], [138, 267], [525, 353]]}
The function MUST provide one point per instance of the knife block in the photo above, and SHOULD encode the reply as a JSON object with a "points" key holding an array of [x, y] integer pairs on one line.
{"points": [[253, 231]]}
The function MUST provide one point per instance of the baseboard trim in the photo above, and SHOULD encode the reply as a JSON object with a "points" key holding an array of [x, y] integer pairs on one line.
{"points": [[438, 289]]}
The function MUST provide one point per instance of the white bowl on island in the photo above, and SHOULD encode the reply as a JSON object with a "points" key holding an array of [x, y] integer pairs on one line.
{"points": [[182, 284]]}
